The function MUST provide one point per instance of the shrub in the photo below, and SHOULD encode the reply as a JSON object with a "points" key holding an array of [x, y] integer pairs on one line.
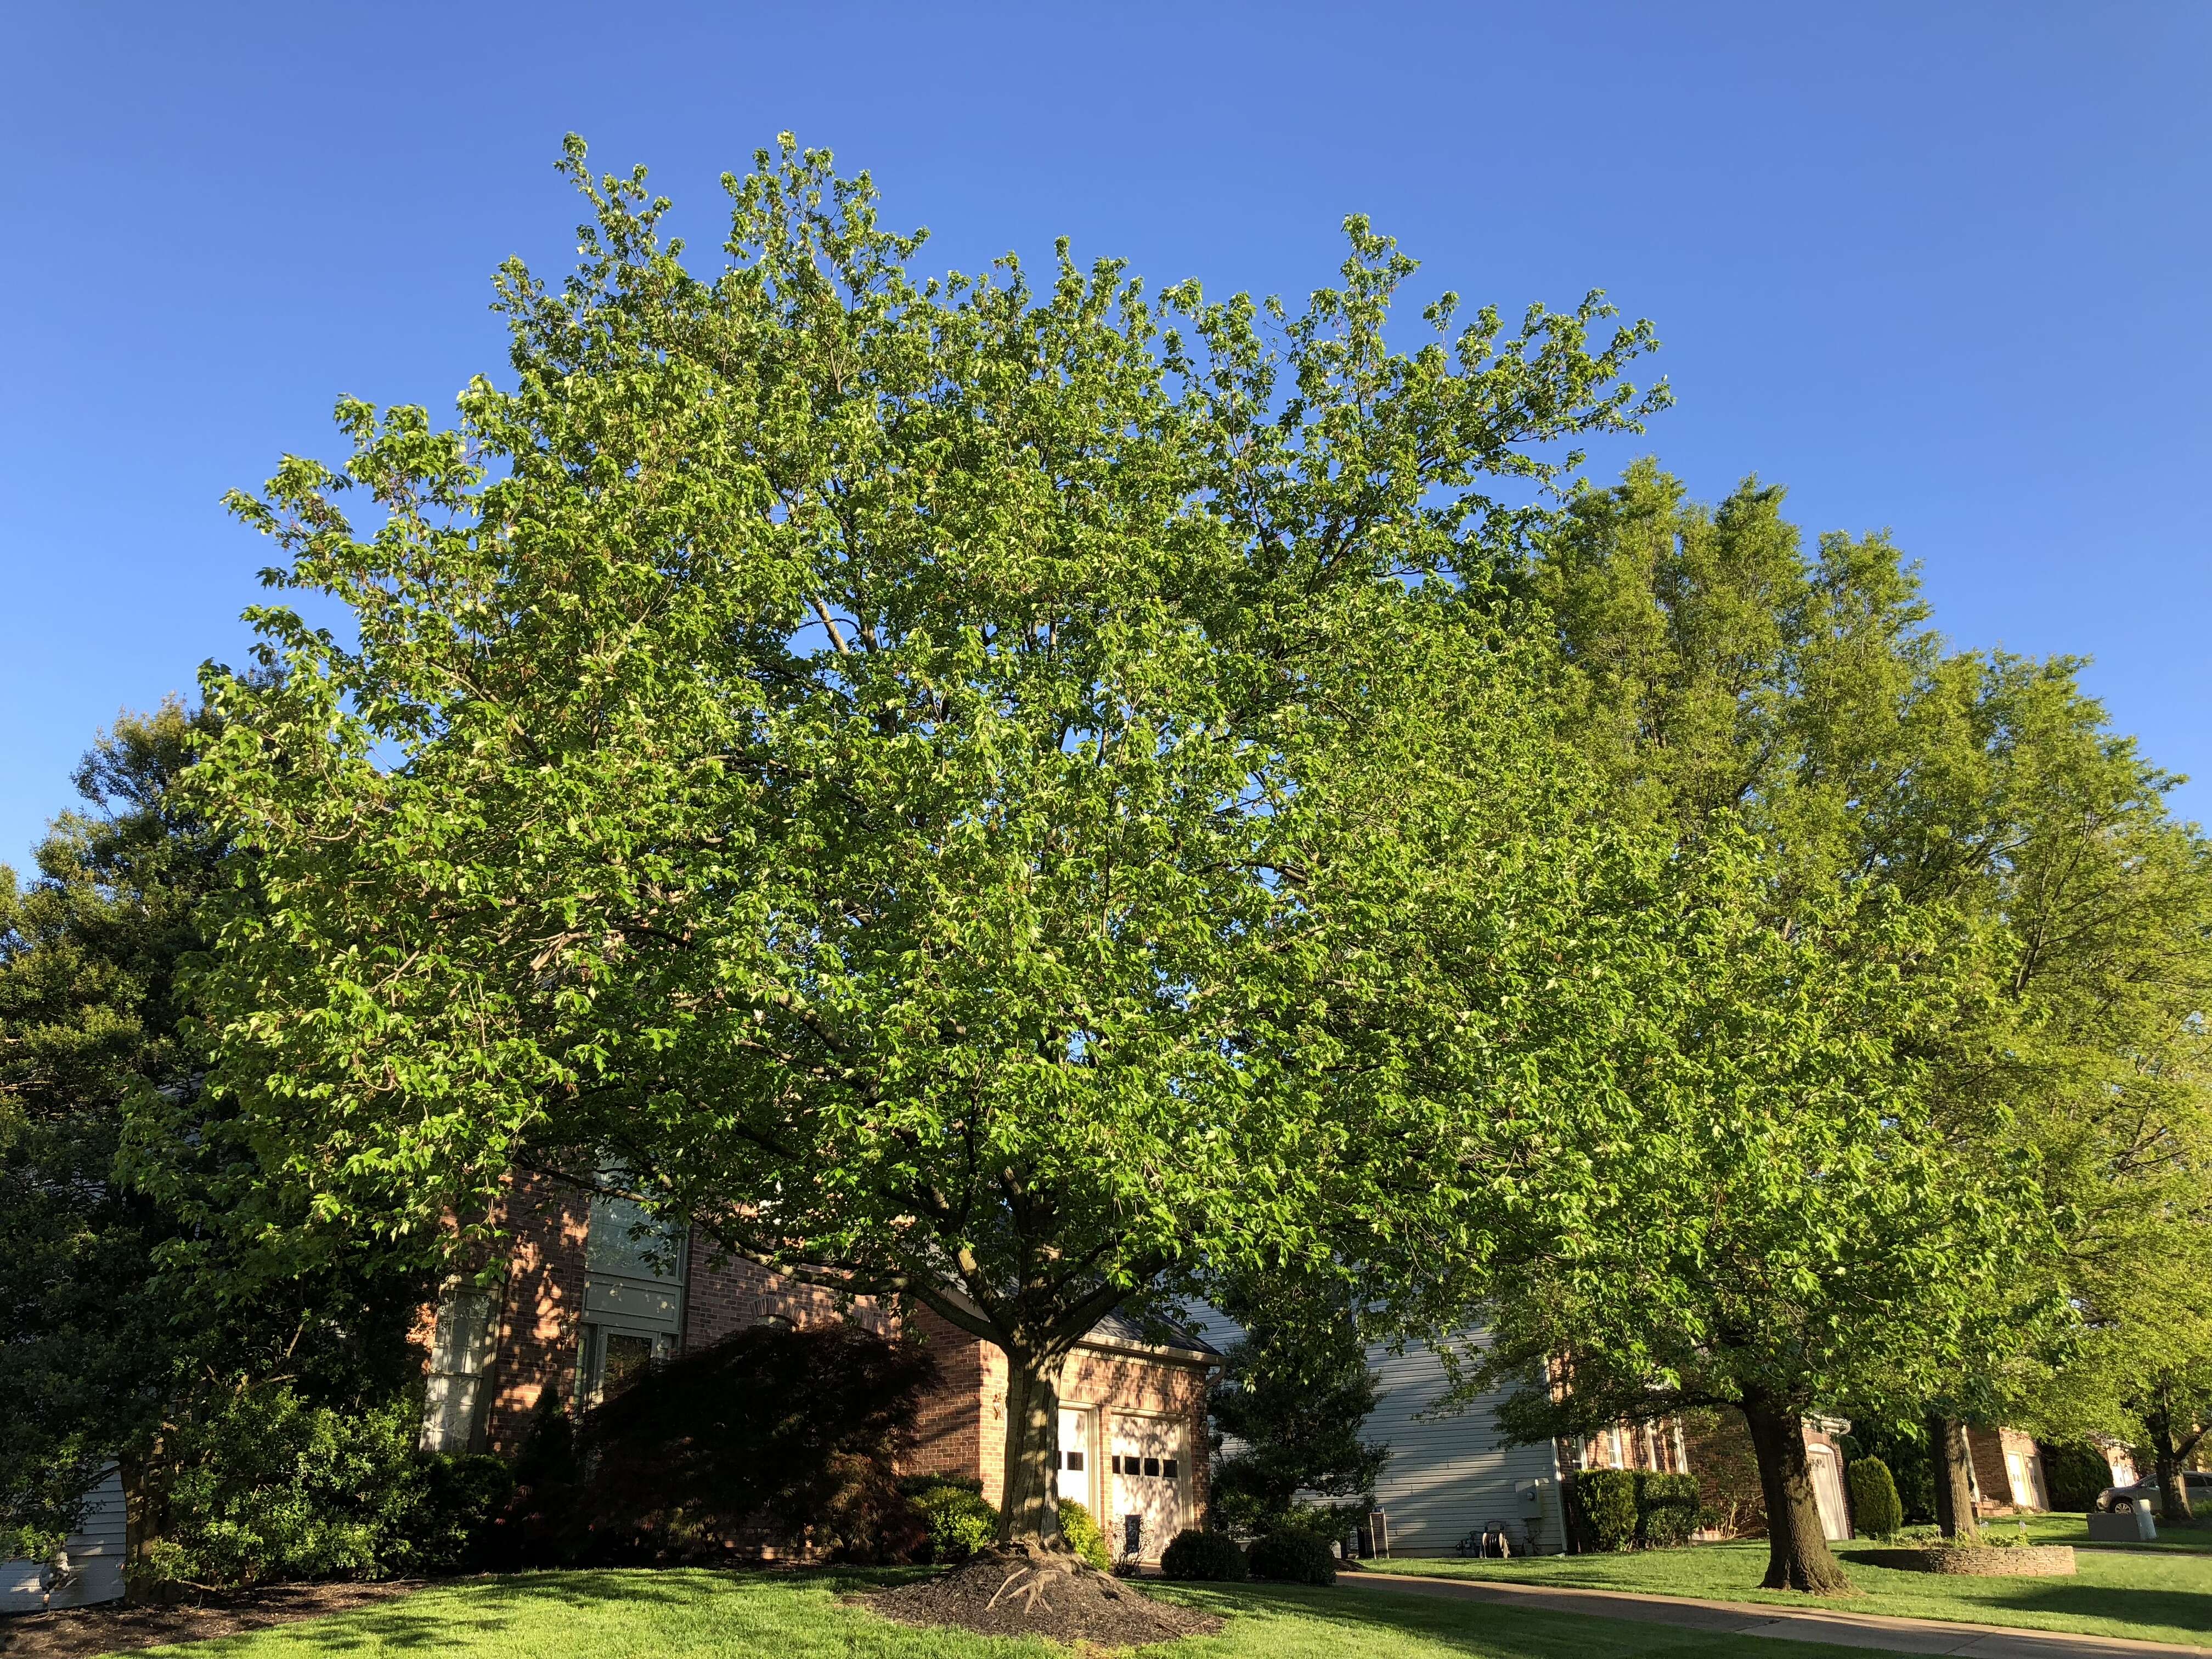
{"points": [[461, 1497], [770, 1436], [1210, 1557], [268, 1486], [1292, 1557], [959, 1520], [2075, 1473], [1667, 1507], [1606, 1502], [1875, 1506], [1083, 1535]]}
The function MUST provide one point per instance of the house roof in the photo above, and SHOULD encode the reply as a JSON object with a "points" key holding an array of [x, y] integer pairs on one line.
{"points": [[1118, 1330]]}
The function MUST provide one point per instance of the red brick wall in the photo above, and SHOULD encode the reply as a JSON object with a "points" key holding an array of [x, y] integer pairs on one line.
{"points": [[951, 1439], [722, 1294], [543, 1304]]}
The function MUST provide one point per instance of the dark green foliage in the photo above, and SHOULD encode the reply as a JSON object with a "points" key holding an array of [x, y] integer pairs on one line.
{"points": [[131, 1302], [1908, 1455], [1296, 1393], [1605, 1506], [1079, 1532], [1877, 1511], [461, 1501], [1666, 1508], [1209, 1557], [1291, 1557], [547, 1456], [768, 1436], [2075, 1473]]}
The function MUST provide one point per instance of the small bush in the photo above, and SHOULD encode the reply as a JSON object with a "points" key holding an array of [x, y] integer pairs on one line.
{"points": [[2075, 1473], [461, 1497], [1083, 1536], [960, 1521], [1875, 1506], [1606, 1500], [1208, 1557], [1292, 1557], [1666, 1509]]}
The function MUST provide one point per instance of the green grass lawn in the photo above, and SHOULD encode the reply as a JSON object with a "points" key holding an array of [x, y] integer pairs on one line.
{"points": [[2155, 1597], [2074, 1529], [678, 1615]]}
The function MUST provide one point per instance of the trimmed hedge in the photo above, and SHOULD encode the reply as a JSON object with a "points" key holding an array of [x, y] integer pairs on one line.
{"points": [[1619, 1509], [1877, 1510], [1666, 1508], [1607, 1501], [1210, 1556], [1292, 1557], [2075, 1471]]}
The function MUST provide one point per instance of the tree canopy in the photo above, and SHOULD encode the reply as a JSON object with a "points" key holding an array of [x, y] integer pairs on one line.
{"points": [[993, 795], [1781, 1208]]}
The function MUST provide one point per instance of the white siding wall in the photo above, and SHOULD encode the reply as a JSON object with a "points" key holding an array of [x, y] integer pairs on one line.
{"points": [[1446, 1476], [95, 1553], [1449, 1476]]}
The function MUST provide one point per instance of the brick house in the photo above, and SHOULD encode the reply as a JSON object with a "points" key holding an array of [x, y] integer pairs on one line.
{"points": [[2008, 1468], [591, 1293]]}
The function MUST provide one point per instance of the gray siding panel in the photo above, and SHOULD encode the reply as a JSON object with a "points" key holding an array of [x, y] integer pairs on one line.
{"points": [[1449, 1476], [95, 1553]]}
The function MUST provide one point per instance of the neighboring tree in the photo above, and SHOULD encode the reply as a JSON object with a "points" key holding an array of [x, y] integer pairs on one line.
{"points": [[2101, 1052], [132, 1314], [1783, 1211], [959, 790], [1296, 1394]]}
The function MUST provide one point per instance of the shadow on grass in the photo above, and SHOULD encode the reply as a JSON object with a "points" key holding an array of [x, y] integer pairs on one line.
{"points": [[1987, 1599], [447, 1613], [1482, 1628]]}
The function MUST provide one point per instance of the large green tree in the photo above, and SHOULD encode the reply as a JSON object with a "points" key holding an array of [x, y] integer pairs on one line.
{"points": [[2058, 830], [1785, 1209], [935, 779]]}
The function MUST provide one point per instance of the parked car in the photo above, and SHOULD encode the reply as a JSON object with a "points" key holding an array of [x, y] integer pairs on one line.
{"points": [[2120, 1500]]}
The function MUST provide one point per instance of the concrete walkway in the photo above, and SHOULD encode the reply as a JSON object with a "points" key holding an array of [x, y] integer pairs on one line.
{"points": [[1843, 1630]]}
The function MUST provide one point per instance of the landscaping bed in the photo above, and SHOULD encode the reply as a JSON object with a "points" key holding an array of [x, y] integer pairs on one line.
{"points": [[1030, 1592], [1977, 1560], [79, 1632]]}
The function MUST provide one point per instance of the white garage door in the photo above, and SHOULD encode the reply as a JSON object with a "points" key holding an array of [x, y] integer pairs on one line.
{"points": [[1151, 1472]]}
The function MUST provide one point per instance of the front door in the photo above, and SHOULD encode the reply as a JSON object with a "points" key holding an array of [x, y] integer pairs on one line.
{"points": [[1151, 1463]]}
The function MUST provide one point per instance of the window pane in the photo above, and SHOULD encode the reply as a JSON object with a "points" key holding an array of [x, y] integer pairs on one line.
{"points": [[626, 1357]]}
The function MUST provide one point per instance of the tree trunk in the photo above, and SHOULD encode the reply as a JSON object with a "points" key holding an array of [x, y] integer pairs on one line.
{"points": [[1798, 1556], [2173, 1506], [1030, 1513], [1954, 1481]]}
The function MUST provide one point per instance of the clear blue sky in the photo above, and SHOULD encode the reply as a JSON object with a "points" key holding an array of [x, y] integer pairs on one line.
{"points": [[1937, 268]]}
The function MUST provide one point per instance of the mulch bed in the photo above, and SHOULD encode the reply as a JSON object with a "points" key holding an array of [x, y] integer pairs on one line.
{"points": [[79, 1631], [1029, 1592], [1978, 1561]]}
